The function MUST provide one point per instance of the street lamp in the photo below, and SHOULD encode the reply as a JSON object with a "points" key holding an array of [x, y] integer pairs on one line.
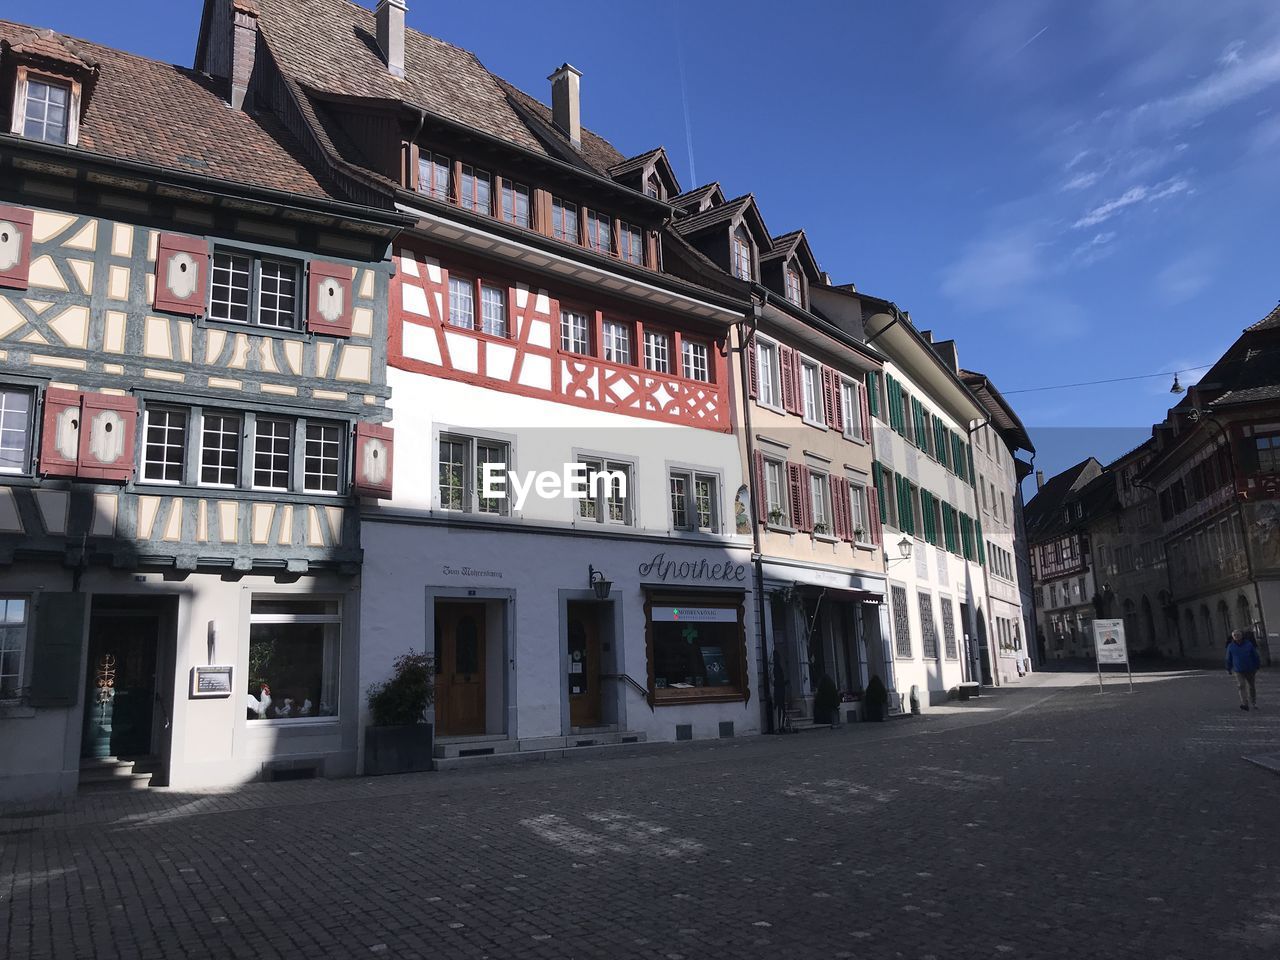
{"points": [[598, 582], [904, 548]]}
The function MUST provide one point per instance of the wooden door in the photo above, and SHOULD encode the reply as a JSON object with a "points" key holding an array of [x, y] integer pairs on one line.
{"points": [[460, 669], [120, 686], [584, 664]]}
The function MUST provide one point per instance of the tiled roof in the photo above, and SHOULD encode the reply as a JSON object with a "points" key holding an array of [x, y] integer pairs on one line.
{"points": [[634, 163], [691, 198], [784, 245], [714, 216], [1044, 510], [331, 46], [1270, 322], [52, 46], [165, 115]]}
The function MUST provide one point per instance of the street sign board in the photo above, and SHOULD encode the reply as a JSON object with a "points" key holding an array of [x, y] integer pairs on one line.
{"points": [[1108, 641]]}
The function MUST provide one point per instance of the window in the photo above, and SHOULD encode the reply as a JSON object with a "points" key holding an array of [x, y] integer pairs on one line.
{"points": [[250, 289], [928, 628], [821, 504], [652, 188], [693, 501], [462, 303], [608, 488], [165, 445], [220, 450], [774, 485], [435, 176], [767, 374], [15, 431], [493, 310], [272, 450], [462, 474], [901, 622], [696, 358], [599, 232], [793, 286], [575, 336], [812, 392], [657, 352], [322, 458], [1268, 453], [13, 642], [48, 110], [858, 512], [617, 341], [474, 189], [630, 243], [695, 659], [851, 401], [564, 220], [742, 256], [515, 204], [293, 657]]}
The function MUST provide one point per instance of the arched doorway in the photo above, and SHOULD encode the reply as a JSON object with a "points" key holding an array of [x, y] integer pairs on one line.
{"points": [[1244, 613]]}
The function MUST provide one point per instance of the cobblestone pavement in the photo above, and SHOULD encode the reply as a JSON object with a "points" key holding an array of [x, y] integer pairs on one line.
{"points": [[1048, 821]]}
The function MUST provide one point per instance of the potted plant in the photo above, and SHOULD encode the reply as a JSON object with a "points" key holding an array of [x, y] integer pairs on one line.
{"points": [[401, 739], [776, 517], [860, 535], [876, 699], [826, 701], [820, 527]]}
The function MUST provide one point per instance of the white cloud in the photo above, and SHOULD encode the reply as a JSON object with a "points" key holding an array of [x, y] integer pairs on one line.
{"points": [[994, 270], [1185, 278], [1139, 194], [1236, 78], [1093, 250]]}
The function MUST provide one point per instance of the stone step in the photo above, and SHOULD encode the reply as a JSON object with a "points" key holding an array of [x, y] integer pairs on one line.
{"points": [[113, 773], [618, 743]]}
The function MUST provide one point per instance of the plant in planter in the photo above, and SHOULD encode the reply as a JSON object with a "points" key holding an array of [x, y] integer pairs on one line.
{"points": [[777, 517], [876, 699], [826, 702], [401, 739], [821, 527], [860, 535]]}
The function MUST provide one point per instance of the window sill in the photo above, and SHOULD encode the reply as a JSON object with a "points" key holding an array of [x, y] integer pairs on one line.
{"points": [[863, 545], [318, 725], [826, 538], [852, 438], [780, 528], [666, 697], [816, 424], [16, 710], [153, 488], [771, 407], [257, 330]]}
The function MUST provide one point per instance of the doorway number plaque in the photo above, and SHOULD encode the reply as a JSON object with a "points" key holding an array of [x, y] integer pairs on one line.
{"points": [[211, 681]]}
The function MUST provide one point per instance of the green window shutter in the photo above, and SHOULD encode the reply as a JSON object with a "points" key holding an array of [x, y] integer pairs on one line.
{"points": [[940, 442], [873, 394], [982, 547], [926, 507], [56, 645], [948, 526], [877, 476]]}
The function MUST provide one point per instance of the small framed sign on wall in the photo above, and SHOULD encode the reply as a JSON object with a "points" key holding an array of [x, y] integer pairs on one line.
{"points": [[210, 682]]}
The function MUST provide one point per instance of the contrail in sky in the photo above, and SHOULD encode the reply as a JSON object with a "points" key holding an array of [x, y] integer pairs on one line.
{"points": [[684, 96], [1029, 42]]}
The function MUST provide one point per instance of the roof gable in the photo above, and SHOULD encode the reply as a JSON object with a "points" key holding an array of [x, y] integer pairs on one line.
{"points": [[795, 244]]}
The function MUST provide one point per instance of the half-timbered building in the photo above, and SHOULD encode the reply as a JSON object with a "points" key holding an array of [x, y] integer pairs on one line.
{"points": [[192, 355]]}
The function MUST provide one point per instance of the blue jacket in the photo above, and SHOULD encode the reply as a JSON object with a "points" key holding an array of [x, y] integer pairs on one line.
{"points": [[1243, 657]]}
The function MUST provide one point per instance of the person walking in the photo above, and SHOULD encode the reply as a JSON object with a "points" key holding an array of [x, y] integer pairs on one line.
{"points": [[1243, 661]]}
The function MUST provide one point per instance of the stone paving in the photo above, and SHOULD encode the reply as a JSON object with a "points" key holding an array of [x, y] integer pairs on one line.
{"points": [[1047, 821]]}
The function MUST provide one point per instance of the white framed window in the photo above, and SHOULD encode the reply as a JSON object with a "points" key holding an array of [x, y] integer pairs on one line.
{"points": [[819, 492], [272, 453], [575, 332], [15, 430], [564, 220], [462, 303], [775, 486], [493, 310], [742, 264], [322, 458], [694, 501], [794, 293], [812, 392], [657, 352], [435, 175], [220, 450], [696, 358], [461, 474], [630, 243], [599, 232], [164, 448], [858, 512], [608, 499], [48, 110], [851, 400], [617, 341], [294, 646], [13, 645], [246, 288], [475, 190], [768, 375], [515, 204]]}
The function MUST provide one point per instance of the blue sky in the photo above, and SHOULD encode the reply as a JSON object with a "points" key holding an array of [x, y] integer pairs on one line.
{"points": [[1074, 189]]}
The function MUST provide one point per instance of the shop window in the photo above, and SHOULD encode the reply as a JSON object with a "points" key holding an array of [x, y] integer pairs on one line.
{"points": [[608, 491], [462, 472], [15, 430], [695, 647], [694, 501], [293, 657], [13, 643]]}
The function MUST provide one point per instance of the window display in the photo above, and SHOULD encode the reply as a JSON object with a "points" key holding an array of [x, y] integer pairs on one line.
{"points": [[696, 647], [293, 658]]}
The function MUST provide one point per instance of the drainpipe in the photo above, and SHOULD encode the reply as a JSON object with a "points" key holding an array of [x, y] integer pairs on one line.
{"points": [[986, 575], [746, 341]]}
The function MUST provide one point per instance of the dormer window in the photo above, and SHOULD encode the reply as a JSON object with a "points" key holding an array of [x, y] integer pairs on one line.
{"points": [[794, 293], [742, 256], [48, 110], [515, 204], [652, 187], [434, 176], [474, 190], [599, 232], [630, 243]]}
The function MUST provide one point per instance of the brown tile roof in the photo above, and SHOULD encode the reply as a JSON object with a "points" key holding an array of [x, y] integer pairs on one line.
{"points": [[169, 116], [51, 46], [691, 198], [331, 46], [1270, 322]]}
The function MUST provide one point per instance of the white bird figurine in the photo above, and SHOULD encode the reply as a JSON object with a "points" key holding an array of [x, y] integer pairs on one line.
{"points": [[259, 707], [305, 709], [285, 709]]}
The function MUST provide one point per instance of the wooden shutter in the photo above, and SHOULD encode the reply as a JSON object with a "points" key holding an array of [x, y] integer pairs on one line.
{"points": [[840, 412], [60, 433], [796, 494], [762, 488], [329, 294], [873, 395], [56, 645], [374, 460], [828, 396], [107, 427], [753, 368], [786, 360], [874, 513], [182, 274], [845, 489], [864, 410], [15, 247]]}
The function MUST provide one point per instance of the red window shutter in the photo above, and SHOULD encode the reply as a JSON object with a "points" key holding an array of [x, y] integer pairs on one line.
{"points": [[873, 515], [60, 433], [182, 274], [864, 411], [795, 490], [329, 294], [806, 498], [762, 490], [15, 247], [753, 372], [784, 378], [108, 424], [828, 396], [374, 460], [837, 406], [845, 493]]}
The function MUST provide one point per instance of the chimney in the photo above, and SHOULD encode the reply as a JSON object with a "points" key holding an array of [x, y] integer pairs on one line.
{"points": [[566, 108], [390, 23], [1039, 480], [244, 50]]}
